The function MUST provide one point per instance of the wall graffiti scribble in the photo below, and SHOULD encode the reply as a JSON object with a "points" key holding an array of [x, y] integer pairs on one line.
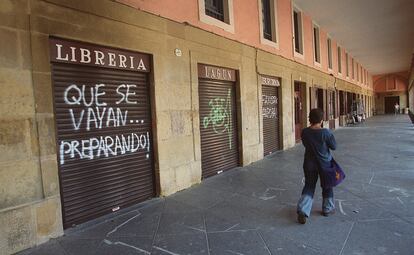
{"points": [[220, 116]]}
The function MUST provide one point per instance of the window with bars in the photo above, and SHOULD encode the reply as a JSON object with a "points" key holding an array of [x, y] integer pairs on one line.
{"points": [[215, 9]]}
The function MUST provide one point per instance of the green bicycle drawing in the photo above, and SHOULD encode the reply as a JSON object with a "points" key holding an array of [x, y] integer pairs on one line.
{"points": [[220, 116]]}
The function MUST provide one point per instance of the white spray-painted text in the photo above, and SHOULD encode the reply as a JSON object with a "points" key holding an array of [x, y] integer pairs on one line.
{"points": [[104, 146]]}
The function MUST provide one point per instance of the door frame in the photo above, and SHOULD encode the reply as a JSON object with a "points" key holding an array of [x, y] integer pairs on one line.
{"points": [[302, 89]]}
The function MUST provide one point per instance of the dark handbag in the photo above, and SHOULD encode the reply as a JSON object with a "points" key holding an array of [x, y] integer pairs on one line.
{"points": [[330, 176]]}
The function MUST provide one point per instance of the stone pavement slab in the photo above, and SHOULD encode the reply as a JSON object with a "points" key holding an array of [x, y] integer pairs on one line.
{"points": [[252, 209]]}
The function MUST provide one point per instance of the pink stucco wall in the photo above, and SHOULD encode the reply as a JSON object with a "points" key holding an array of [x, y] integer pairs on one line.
{"points": [[323, 37], [307, 25], [284, 10], [247, 28]]}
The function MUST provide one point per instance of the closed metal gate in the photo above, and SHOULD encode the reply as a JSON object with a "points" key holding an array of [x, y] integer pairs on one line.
{"points": [[218, 120], [104, 138], [270, 114]]}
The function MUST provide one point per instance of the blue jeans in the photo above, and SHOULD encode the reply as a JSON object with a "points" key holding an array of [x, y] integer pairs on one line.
{"points": [[310, 169]]}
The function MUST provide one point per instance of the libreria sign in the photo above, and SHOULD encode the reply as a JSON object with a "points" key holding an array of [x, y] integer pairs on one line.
{"points": [[73, 52]]}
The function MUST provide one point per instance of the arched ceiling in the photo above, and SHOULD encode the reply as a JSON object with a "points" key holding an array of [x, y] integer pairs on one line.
{"points": [[379, 34], [390, 82]]}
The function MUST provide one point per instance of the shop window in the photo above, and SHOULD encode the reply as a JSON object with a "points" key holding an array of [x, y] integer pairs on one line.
{"points": [[297, 31]]}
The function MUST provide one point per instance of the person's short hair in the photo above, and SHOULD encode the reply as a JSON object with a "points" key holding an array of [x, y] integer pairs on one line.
{"points": [[315, 116]]}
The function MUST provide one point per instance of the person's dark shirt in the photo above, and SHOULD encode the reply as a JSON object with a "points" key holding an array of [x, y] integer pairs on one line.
{"points": [[322, 140]]}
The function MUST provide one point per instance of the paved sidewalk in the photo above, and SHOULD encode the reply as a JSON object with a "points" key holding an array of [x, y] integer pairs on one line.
{"points": [[252, 210]]}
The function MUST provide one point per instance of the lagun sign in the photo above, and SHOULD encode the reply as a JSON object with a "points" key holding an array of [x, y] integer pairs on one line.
{"points": [[99, 111], [220, 114]]}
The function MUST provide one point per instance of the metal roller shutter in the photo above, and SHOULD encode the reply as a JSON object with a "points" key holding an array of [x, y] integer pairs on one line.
{"points": [[104, 140], [270, 114], [218, 126]]}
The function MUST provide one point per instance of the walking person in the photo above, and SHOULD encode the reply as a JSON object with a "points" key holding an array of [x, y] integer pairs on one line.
{"points": [[318, 142], [397, 108]]}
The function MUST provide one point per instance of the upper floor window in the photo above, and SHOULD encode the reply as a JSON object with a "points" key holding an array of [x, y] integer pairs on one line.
{"points": [[316, 45], [357, 71], [268, 22], [297, 30], [347, 64], [215, 9], [362, 76], [329, 53], [365, 77], [339, 60], [353, 70], [218, 13], [267, 19]]}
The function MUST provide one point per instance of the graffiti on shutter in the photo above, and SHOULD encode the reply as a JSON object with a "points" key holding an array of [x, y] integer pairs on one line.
{"points": [[220, 116], [90, 111]]}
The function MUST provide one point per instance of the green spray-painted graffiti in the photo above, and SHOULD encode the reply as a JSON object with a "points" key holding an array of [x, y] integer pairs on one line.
{"points": [[220, 116]]}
